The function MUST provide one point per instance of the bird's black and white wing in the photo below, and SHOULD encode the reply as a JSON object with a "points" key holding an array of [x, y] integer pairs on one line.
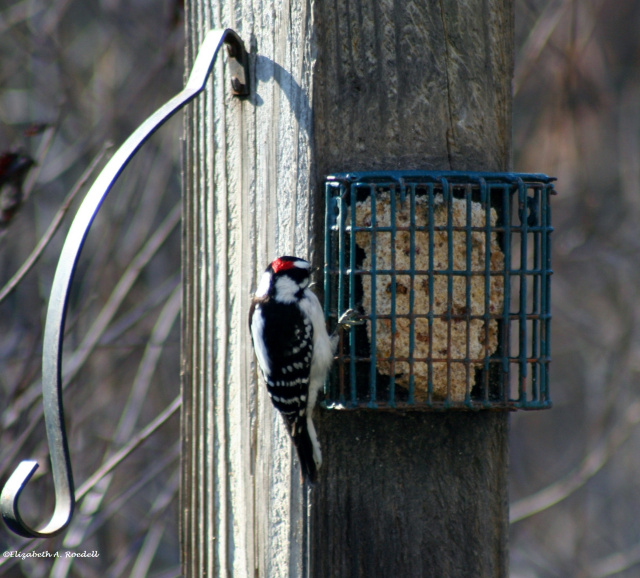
{"points": [[283, 341]]}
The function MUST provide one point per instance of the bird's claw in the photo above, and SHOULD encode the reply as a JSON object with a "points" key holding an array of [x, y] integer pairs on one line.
{"points": [[348, 318]]}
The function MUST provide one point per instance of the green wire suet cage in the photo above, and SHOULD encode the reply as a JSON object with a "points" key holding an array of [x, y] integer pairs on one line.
{"points": [[449, 274]]}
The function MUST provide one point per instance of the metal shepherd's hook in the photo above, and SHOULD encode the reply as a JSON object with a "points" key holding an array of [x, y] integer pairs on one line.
{"points": [[54, 329]]}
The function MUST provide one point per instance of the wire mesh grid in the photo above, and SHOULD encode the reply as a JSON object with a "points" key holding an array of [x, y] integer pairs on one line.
{"points": [[449, 274]]}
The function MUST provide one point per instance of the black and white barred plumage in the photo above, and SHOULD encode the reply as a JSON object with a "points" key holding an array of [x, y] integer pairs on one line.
{"points": [[293, 349]]}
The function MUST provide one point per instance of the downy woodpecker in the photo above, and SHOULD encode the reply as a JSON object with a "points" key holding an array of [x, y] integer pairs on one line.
{"points": [[294, 350]]}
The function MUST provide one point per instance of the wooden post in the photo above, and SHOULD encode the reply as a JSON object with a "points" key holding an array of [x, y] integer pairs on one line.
{"points": [[336, 86], [424, 85], [246, 199]]}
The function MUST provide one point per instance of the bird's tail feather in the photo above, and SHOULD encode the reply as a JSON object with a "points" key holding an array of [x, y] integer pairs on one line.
{"points": [[307, 452]]}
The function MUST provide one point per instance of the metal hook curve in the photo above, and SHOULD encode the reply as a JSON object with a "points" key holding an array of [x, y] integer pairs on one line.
{"points": [[56, 312]]}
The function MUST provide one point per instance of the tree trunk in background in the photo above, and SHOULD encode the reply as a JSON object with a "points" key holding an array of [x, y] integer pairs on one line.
{"points": [[344, 85]]}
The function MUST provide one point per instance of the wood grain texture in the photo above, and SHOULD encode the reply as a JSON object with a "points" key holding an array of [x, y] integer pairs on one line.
{"points": [[412, 85], [411, 495], [246, 201]]}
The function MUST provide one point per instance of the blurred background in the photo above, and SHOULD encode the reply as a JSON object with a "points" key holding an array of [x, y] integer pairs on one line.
{"points": [[77, 75], [575, 468]]}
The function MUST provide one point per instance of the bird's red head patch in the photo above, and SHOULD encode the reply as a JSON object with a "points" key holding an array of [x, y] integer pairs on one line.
{"points": [[285, 263]]}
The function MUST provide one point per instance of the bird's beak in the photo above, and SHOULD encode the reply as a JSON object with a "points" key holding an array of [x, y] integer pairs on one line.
{"points": [[312, 271]]}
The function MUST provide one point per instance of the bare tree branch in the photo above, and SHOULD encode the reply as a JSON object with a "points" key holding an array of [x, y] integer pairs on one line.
{"points": [[590, 465], [110, 464], [53, 227], [616, 563], [93, 500]]}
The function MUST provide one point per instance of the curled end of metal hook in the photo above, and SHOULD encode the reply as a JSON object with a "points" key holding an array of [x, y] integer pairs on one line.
{"points": [[9, 505], [11, 494]]}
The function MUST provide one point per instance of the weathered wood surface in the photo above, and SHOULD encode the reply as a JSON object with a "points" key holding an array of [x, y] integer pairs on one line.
{"points": [[411, 495], [412, 85], [247, 182], [341, 85]]}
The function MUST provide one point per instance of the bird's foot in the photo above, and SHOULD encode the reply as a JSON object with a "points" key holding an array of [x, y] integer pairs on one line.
{"points": [[349, 318]]}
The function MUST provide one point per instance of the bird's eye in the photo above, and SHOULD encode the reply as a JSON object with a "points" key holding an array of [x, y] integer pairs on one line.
{"points": [[300, 276]]}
